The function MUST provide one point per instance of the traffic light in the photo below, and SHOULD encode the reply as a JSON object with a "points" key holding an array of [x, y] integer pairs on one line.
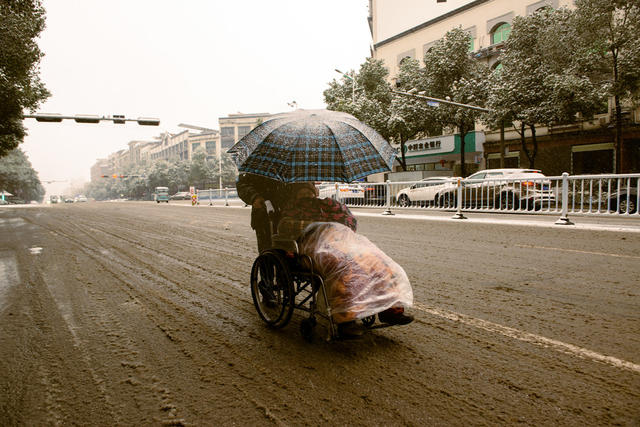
{"points": [[148, 121], [53, 117], [87, 118]]}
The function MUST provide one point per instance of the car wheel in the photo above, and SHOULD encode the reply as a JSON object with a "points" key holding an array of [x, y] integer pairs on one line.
{"points": [[404, 201], [625, 203]]}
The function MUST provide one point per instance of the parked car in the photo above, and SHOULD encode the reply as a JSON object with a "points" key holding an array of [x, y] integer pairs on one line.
{"points": [[624, 201], [182, 195], [68, 200], [375, 194], [503, 189], [80, 199], [426, 191], [346, 193]]}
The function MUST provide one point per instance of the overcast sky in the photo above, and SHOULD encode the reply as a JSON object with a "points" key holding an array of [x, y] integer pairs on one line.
{"points": [[182, 62]]}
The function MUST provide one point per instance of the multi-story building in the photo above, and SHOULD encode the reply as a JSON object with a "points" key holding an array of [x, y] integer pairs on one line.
{"points": [[235, 126], [181, 145], [408, 28], [100, 168]]}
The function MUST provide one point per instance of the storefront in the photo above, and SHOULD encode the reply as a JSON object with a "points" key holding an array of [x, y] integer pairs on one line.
{"points": [[442, 154]]}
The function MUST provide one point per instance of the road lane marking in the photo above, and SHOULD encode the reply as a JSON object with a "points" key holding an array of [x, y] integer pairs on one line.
{"points": [[530, 338], [578, 251]]}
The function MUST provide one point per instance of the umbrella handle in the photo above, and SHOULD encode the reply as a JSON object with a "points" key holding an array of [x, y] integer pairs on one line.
{"points": [[269, 206]]}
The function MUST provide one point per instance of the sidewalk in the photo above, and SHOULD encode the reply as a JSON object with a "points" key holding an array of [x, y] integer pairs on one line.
{"points": [[626, 224], [580, 221]]}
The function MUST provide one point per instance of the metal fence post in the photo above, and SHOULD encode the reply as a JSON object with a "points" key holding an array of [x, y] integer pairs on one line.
{"points": [[564, 216], [387, 187], [226, 196], [459, 214], [210, 197]]}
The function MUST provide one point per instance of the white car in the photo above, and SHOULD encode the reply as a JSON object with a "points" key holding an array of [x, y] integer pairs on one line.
{"points": [[345, 193], [425, 191], [504, 189], [80, 198]]}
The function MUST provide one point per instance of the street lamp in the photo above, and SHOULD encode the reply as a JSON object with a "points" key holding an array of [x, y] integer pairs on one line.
{"points": [[434, 102], [351, 77]]}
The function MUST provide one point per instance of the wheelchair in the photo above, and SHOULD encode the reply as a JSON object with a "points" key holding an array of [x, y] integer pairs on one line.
{"points": [[283, 280]]}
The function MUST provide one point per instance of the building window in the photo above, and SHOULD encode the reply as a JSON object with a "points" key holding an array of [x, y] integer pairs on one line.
{"points": [[500, 33], [471, 44], [592, 159], [511, 160], [243, 130], [227, 136], [194, 146], [211, 147]]}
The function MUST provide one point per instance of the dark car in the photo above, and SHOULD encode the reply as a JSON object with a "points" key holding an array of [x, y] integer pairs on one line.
{"points": [[624, 201]]}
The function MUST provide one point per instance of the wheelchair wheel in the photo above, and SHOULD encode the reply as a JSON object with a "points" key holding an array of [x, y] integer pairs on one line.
{"points": [[272, 289], [369, 321]]}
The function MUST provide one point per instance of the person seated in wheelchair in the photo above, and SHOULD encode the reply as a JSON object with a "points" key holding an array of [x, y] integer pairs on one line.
{"points": [[360, 279]]}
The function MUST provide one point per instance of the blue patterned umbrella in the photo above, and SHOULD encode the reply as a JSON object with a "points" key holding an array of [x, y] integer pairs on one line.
{"points": [[313, 145]]}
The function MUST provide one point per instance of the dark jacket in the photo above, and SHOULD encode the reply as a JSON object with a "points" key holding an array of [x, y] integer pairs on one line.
{"points": [[250, 186]]}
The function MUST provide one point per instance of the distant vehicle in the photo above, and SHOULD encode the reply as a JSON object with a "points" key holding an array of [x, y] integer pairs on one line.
{"points": [[182, 195], [161, 194], [502, 189], [54, 199], [68, 200], [623, 201], [346, 193], [80, 199], [425, 191]]}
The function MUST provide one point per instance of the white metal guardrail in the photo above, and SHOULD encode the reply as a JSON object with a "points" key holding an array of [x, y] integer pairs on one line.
{"points": [[217, 196], [605, 195], [611, 195]]}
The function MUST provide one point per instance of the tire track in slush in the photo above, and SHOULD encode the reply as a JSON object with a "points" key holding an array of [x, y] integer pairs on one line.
{"points": [[171, 332], [512, 333], [122, 347], [529, 337], [162, 317]]}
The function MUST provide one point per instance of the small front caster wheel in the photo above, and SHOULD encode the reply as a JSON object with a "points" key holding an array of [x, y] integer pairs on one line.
{"points": [[369, 321]]}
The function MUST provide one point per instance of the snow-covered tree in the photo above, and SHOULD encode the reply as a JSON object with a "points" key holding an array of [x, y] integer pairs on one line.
{"points": [[539, 81], [20, 86], [609, 46], [451, 73]]}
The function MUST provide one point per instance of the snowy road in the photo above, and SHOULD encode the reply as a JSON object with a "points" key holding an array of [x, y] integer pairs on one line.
{"points": [[137, 313]]}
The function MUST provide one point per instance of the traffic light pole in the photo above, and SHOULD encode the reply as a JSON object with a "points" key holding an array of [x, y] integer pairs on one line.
{"points": [[89, 118]]}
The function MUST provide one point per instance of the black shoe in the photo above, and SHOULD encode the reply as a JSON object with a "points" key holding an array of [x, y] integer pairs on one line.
{"points": [[392, 318], [350, 329]]}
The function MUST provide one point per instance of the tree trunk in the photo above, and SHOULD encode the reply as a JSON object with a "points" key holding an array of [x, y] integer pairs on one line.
{"points": [[502, 143], [403, 162], [463, 133], [532, 159], [523, 142], [618, 144], [618, 116]]}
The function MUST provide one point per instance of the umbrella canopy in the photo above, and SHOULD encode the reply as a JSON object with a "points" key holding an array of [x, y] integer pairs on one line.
{"points": [[313, 145], [5, 193]]}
